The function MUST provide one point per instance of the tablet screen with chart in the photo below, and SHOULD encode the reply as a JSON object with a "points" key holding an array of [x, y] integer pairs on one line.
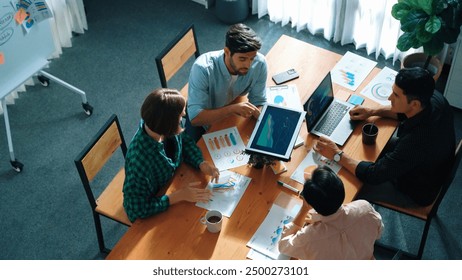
{"points": [[276, 131]]}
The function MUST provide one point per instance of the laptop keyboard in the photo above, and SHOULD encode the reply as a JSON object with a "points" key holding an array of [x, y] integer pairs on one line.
{"points": [[332, 119]]}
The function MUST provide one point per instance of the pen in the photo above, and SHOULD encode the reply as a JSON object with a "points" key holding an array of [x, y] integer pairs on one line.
{"points": [[289, 187]]}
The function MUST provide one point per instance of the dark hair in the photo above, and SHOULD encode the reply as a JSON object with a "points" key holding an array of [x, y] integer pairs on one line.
{"points": [[324, 191], [242, 39], [416, 83], [161, 110]]}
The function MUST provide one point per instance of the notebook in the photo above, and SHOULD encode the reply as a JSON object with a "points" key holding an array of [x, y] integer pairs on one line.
{"points": [[328, 116], [275, 132]]}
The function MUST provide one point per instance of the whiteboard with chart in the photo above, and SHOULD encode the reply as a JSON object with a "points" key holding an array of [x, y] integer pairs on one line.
{"points": [[25, 47]]}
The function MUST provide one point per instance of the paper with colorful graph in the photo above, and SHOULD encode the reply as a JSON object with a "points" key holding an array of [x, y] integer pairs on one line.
{"points": [[379, 89], [351, 70], [226, 148]]}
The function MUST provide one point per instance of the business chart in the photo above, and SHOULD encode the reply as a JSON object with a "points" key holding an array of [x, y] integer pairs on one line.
{"points": [[380, 88], [351, 70], [226, 193], [285, 96], [226, 148], [266, 238]]}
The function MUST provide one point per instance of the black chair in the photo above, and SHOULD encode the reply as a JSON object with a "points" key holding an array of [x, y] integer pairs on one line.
{"points": [[176, 55], [427, 213], [89, 162]]}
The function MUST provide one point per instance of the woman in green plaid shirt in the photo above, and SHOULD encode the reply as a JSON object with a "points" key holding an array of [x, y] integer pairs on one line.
{"points": [[155, 152]]}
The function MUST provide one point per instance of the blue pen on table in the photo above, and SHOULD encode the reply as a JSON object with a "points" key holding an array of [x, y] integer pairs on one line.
{"points": [[289, 187]]}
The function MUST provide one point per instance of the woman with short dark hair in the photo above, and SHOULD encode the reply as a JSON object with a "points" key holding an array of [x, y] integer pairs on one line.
{"points": [[156, 151]]}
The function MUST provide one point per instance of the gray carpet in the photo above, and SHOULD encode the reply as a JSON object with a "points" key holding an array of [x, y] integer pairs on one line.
{"points": [[44, 213]]}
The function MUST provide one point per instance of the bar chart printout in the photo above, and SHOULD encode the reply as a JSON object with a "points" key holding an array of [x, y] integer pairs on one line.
{"points": [[226, 148], [351, 70]]}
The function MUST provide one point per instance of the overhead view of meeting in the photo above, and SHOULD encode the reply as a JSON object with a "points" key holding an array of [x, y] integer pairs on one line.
{"points": [[155, 152], [306, 201], [217, 78], [303, 131]]}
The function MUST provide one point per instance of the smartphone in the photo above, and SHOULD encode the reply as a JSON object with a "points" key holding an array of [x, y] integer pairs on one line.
{"points": [[285, 76]]}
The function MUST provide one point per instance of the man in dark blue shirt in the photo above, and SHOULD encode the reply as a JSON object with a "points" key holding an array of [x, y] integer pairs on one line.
{"points": [[413, 165]]}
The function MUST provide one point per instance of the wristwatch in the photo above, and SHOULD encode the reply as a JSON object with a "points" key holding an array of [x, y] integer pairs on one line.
{"points": [[338, 156]]}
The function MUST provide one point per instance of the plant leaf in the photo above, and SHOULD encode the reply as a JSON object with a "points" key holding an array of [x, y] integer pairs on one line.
{"points": [[407, 41], [426, 6], [423, 36], [413, 19], [399, 10], [433, 24]]}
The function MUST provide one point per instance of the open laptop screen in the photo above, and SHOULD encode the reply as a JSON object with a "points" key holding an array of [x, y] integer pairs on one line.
{"points": [[318, 102], [275, 132]]}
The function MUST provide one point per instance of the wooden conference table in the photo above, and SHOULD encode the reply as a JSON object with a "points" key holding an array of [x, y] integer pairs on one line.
{"points": [[178, 234]]}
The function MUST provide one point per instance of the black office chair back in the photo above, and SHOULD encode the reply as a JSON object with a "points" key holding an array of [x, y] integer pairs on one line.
{"points": [[176, 54]]}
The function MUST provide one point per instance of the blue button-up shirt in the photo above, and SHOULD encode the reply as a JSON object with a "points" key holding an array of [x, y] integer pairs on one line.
{"points": [[209, 81]]}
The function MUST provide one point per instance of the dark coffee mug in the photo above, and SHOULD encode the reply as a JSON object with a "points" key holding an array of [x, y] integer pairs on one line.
{"points": [[370, 132]]}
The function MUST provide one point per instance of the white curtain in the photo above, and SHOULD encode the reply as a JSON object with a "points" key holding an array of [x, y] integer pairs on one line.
{"points": [[365, 23], [68, 16]]}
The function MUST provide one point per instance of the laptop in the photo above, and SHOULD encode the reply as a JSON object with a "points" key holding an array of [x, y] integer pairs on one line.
{"points": [[327, 116], [276, 132]]}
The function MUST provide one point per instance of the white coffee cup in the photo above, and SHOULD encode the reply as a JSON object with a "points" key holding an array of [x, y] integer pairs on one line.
{"points": [[213, 220]]}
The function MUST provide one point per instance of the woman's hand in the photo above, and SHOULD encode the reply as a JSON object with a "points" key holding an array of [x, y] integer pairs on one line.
{"points": [[209, 169], [191, 194]]}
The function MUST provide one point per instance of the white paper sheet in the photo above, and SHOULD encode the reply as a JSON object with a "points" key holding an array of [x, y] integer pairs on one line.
{"points": [[351, 70], [284, 95], [226, 148], [266, 238], [226, 193], [313, 159], [379, 89]]}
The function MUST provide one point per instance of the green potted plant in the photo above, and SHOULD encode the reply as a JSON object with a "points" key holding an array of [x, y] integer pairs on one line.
{"points": [[428, 24]]}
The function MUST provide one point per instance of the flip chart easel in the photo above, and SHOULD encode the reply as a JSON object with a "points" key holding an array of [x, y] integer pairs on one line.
{"points": [[25, 55]]}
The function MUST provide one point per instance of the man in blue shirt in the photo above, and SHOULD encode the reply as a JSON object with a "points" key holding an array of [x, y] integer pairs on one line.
{"points": [[217, 78]]}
